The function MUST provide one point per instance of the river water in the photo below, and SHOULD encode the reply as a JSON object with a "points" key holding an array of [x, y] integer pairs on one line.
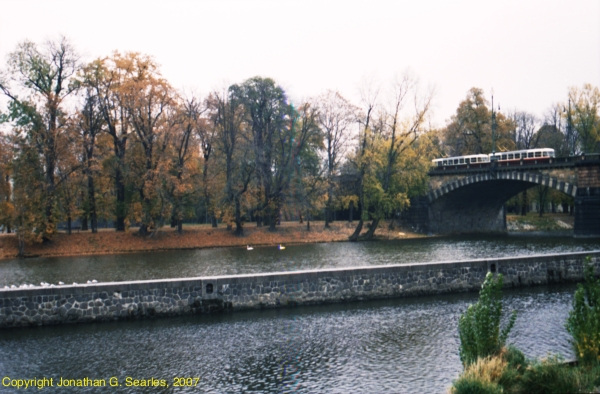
{"points": [[402, 345], [230, 261]]}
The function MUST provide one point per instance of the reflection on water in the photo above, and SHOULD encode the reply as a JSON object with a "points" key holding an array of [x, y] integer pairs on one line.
{"points": [[402, 345], [210, 262]]}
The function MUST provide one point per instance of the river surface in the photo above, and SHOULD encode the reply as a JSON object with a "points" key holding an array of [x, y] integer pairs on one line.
{"points": [[231, 261], [392, 346], [397, 346]]}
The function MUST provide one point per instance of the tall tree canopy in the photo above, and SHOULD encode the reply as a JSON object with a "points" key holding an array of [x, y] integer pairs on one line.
{"points": [[40, 79], [470, 129]]}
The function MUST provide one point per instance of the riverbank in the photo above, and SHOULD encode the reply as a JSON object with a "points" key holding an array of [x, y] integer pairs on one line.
{"points": [[108, 241], [534, 222]]}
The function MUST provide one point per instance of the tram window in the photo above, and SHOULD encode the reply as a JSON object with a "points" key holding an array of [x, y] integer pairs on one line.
{"points": [[455, 161], [517, 155], [530, 154], [538, 154], [511, 156], [504, 157], [461, 161]]}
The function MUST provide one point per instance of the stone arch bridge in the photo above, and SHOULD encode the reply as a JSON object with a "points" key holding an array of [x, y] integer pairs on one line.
{"points": [[471, 199]]}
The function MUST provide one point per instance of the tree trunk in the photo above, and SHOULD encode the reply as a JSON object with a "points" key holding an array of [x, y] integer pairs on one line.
{"points": [[92, 204], [121, 206], [371, 232], [84, 222], [524, 203], [143, 231], [357, 230]]}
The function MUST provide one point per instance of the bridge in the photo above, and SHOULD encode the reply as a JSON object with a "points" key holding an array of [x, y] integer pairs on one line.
{"points": [[471, 198]]}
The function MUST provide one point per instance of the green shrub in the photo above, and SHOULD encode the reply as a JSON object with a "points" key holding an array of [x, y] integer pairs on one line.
{"points": [[516, 364], [474, 386], [584, 319], [479, 326], [552, 376]]}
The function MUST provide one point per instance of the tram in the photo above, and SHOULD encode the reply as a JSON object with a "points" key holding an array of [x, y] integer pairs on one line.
{"points": [[517, 156]]}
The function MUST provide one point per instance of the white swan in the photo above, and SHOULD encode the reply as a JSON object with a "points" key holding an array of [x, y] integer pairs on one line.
{"points": [[248, 247], [281, 247]]}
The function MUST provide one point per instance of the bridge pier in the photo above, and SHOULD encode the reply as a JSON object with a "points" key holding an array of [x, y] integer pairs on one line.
{"points": [[587, 213], [587, 198]]}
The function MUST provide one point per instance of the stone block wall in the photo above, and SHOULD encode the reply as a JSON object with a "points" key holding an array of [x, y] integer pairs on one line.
{"points": [[144, 299]]}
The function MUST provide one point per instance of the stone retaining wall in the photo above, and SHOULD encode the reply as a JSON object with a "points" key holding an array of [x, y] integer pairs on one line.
{"points": [[139, 299]]}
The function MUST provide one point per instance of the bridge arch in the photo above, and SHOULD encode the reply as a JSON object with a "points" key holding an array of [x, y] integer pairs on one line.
{"points": [[475, 203], [527, 177]]}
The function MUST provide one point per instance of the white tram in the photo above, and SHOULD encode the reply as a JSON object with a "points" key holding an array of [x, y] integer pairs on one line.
{"points": [[540, 155]]}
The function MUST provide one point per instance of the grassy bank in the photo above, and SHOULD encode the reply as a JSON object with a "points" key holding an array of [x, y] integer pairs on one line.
{"points": [[107, 241], [534, 222]]}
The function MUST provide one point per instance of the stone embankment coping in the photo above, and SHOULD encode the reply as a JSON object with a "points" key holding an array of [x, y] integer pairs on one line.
{"points": [[111, 301]]}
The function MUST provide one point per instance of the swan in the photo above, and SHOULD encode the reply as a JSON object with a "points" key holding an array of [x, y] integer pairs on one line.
{"points": [[281, 247], [248, 247]]}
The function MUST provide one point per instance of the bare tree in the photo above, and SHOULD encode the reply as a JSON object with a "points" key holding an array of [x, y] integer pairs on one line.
{"points": [[526, 126], [336, 119], [369, 98]]}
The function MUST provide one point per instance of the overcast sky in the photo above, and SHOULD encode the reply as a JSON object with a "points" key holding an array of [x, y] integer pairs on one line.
{"points": [[529, 52]]}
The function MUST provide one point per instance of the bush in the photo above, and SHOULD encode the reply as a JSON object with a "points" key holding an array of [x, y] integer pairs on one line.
{"points": [[498, 373], [584, 319], [552, 376], [516, 364], [479, 326], [474, 386]]}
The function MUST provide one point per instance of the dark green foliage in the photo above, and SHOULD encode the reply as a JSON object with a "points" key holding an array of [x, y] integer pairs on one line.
{"points": [[584, 319], [516, 365], [506, 370], [479, 326], [551, 376], [475, 386]]}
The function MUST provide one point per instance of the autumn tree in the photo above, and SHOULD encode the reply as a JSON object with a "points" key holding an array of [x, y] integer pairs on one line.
{"points": [[44, 78], [336, 118], [234, 144], [7, 208], [106, 77], [89, 123], [207, 137], [267, 113], [393, 158], [303, 176], [184, 169], [470, 129], [360, 158], [584, 117], [148, 101]]}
